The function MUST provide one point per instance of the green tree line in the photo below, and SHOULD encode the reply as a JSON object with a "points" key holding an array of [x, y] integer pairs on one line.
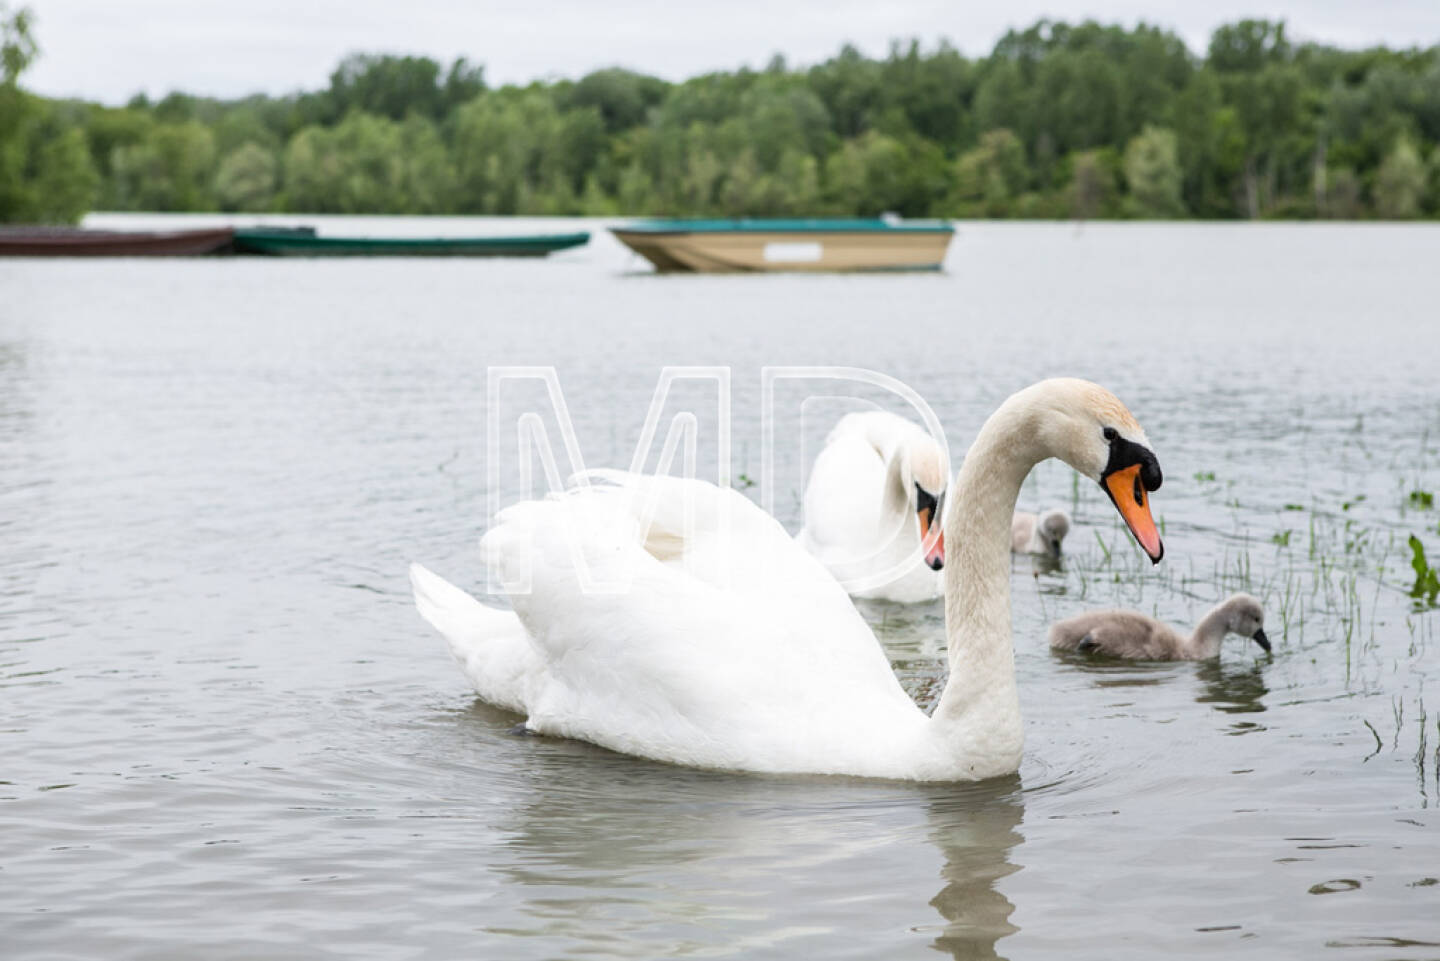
{"points": [[1059, 121]]}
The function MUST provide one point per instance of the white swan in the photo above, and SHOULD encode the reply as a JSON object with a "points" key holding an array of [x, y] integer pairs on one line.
{"points": [[873, 505], [735, 649]]}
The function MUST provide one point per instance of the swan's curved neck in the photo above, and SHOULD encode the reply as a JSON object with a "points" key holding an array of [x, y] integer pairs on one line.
{"points": [[897, 498], [981, 696], [1210, 632], [889, 445]]}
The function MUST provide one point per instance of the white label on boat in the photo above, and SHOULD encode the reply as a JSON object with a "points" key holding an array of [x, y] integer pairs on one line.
{"points": [[806, 253]]}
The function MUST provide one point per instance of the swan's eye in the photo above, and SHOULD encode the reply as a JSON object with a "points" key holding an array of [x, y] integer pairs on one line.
{"points": [[1110, 434]]}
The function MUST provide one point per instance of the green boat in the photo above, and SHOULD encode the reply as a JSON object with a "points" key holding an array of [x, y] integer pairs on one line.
{"points": [[304, 242]]}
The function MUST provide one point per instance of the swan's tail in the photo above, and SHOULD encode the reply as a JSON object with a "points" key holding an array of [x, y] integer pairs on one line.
{"points": [[448, 609], [489, 644]]}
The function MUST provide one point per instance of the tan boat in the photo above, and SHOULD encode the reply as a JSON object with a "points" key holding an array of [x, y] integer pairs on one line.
{"points": [[714, 246]]}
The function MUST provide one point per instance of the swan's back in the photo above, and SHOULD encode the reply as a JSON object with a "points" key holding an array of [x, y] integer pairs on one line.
{"points": [[1117, 634]]}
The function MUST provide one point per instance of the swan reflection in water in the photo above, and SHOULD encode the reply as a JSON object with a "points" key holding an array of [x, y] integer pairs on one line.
{"points": [[975, 840], [607, 854]]}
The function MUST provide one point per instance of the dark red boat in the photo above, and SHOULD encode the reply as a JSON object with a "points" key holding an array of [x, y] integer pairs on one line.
{"points": [[79, 242]]}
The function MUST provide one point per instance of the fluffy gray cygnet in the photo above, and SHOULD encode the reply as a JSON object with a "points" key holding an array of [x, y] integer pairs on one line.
{"points": [[1133, 635], [1039, 534]]}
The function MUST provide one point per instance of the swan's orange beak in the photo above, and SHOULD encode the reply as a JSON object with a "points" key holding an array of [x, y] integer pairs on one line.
{"points": [[1129, 497], [932, 538]]}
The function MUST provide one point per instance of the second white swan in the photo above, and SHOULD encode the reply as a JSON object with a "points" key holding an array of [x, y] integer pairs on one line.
{"points": [[873, 507]]}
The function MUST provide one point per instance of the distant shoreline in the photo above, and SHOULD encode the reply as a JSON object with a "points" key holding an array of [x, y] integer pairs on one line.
{"points": [[1060, 122]]}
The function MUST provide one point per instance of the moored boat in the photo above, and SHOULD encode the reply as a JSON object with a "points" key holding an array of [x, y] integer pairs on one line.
{"points": [[33, 241], [712, 246], [299, 242]]}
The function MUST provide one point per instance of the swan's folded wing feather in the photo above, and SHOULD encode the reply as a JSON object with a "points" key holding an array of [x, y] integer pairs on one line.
{"points": [[713, 534]]}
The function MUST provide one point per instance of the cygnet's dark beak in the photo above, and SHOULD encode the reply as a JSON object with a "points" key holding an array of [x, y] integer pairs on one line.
{"points": [[1259, 638]]}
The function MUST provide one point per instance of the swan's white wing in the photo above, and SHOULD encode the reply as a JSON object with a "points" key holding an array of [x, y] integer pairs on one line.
{"points": [[728, 646]]}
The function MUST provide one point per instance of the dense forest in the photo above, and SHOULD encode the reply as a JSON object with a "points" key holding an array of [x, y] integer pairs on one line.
{"points": [[1058, 121]]}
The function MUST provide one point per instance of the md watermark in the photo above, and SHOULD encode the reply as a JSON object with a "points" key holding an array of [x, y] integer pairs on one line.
{"points": [[675, 513]]}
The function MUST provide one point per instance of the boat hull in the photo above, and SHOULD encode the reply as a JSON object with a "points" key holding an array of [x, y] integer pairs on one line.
{"points": [[759, 250], [78, 242], [300, 244]]}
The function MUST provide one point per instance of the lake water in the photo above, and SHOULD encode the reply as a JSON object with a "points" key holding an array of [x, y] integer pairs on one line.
{"points": [[225, 732]]}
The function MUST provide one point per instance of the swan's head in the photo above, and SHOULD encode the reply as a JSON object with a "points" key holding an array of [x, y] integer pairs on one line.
{"points": [[1088, 428], [924, 474], [1245, 616], [1053, 526]]}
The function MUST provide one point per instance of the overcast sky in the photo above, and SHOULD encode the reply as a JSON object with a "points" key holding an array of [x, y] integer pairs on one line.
{"points": [[110, 49]]}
